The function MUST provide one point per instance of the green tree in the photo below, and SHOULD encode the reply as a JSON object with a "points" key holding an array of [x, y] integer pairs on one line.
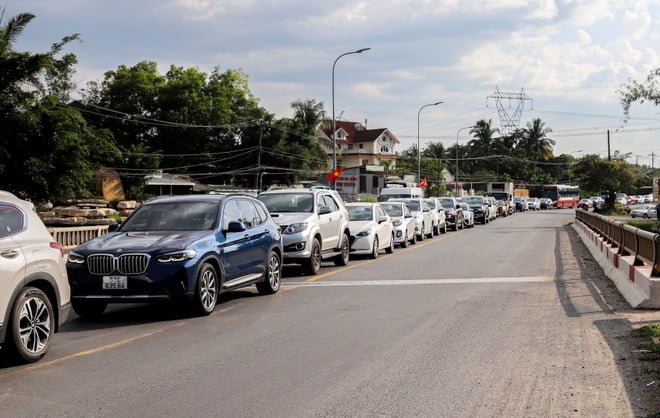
{"points": [[535, 142], [596, 175], [635, 91]]}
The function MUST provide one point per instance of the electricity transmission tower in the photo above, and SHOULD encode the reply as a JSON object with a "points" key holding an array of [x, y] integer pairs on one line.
{"points": [[509, 121]]}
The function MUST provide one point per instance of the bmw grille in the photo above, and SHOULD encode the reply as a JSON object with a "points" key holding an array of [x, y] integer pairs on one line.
{"points": [[128, 264]]}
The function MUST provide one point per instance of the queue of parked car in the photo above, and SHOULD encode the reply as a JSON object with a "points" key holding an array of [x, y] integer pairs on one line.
{"points": [[190, 249]]}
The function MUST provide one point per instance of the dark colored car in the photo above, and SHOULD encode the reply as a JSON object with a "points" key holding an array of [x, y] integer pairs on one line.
{"points": [[479, 207], [187, 248], [453, 213]]}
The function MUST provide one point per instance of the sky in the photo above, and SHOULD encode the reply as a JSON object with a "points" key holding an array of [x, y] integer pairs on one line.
{"points": [[569, 56]]}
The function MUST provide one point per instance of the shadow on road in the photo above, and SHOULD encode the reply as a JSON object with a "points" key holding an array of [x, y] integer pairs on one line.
{"points": [[577, 273]]}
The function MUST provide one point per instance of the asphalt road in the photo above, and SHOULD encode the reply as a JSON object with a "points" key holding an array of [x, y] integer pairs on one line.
{"points": [[493, 321]]}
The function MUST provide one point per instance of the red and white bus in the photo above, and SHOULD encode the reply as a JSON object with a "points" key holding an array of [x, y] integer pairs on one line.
{"points": [[563, 196]]}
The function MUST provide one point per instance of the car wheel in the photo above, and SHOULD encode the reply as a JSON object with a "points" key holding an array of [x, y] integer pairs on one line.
{"points": [[404, 243], [413, 241], [344, 252], [32, 323], [420, 237], [436, 230], [645, 216], [272, 276], [88, 309], [374, 249], [313, 264], [390, 249], [207, 290]]}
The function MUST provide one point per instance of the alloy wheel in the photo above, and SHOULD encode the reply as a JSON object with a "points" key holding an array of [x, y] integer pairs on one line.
{"points": [[208, 289], [274, 272], [34, 325]]}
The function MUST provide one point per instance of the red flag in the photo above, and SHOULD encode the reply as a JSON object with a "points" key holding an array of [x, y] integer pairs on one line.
{"points": [[424, 183], [334, 174]]}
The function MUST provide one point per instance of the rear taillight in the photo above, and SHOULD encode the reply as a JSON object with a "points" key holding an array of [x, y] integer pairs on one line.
{"points": [[57, 246]]}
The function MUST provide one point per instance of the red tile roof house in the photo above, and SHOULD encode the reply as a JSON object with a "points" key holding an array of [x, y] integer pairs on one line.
{"points": [[361, 152]]}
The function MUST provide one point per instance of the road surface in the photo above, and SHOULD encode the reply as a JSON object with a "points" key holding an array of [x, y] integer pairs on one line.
{"points": [[493, 321]]}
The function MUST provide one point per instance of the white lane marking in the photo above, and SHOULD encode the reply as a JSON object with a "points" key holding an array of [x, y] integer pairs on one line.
{"points": [[476, 280]]}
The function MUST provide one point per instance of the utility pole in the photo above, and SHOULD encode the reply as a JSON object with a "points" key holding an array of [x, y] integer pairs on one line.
{"points": [[257, 181], [609, 156], [652, 160]]}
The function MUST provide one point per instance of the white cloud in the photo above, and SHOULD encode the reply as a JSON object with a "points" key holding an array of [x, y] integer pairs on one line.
{"points": [[583, 36]]}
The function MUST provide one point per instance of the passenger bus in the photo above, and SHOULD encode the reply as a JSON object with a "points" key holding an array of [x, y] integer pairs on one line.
{"points": [[562, 195]]}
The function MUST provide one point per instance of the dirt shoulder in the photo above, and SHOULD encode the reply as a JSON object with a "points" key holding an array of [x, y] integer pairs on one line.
{"points": [[639, 371]]}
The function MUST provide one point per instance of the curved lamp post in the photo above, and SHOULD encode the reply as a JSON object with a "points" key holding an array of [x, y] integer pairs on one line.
{"points": [[419, 150], [334, 136], [456, 173]]}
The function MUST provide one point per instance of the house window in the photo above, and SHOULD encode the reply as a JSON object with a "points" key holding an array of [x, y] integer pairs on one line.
{"points": [[374, 182], [361, 146], [350, 146], [384, 148]]}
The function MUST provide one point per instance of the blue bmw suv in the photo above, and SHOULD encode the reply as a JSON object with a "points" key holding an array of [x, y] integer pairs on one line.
{"points": [[188, 248]]}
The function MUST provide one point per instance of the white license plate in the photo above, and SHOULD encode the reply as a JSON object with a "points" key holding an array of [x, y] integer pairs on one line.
{"points": [[115, 282]]}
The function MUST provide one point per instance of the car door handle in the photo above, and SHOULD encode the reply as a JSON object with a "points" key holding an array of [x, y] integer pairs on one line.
{"points": [[9, 254]]}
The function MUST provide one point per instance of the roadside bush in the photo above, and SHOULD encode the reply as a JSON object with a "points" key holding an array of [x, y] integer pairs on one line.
{"points": [[651, 226]]}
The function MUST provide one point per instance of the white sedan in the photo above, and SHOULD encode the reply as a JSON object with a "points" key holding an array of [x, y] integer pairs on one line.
{"points": [[646, 211], [468, 215], [402, 221], [371, 229]]}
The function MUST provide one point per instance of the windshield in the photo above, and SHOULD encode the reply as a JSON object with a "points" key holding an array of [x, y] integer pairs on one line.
{"points": [[360, 213], [474, 200], [288, 202], [499, 195], [173, 216], [447, 203], [413, 205], [386, 197], [392, 209], [465, 206], [431, 203]]}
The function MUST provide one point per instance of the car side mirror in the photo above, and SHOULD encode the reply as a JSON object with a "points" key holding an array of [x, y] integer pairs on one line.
{"points": [[323, 210], [382, 219], [235, 226], [113, 227], [408, 216], [458, 206]]}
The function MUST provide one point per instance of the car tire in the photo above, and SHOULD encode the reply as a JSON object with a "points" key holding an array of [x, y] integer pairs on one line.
{"points": [[88, 309], [31, 324], [374, 249], [404, 243], [272, 276], [313, 264], [645, 216], [413, 241], [207, 290], [421, 235], [444, 228], [436, 230], [390, 249], [344, 251]]}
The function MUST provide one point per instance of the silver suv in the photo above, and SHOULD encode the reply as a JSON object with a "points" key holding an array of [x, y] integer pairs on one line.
{"points": [[314, 225], [34, 290]]}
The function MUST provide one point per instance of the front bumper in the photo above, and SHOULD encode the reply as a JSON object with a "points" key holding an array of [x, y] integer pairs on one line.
{"points": [[297, 246], [399, 234], [362, 245]]}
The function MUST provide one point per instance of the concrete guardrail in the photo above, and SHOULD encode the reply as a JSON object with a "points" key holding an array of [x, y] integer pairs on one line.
{"points": [[629, 256]]}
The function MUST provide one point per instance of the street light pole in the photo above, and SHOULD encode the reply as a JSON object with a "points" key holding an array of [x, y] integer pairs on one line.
{"points": [[419, 150], [334, 136], [569, 168], [456, 173]]}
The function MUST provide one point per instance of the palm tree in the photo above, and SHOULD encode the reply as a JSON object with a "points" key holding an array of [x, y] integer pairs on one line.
{"points": [[484, 140], [308, 114], [536, 142], [16, 67]]}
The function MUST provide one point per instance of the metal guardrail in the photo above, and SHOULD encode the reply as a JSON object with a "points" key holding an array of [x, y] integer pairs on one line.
{"points": [[628, 240], [72, 236]]}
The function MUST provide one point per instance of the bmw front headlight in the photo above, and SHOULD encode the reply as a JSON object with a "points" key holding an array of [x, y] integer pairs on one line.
{"points": [[75, 258], [177, 256], [295, 228]]}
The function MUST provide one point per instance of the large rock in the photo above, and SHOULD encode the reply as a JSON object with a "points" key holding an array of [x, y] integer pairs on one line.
{"points": [[43, 215], [71, 212], [89, 203], [100, 221], [101, 213], [126, 212], [127, 204], [75, 221]]}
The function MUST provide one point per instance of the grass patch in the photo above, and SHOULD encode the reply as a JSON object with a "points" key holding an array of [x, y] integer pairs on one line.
{"points": [[647, 331], [651, 226]]}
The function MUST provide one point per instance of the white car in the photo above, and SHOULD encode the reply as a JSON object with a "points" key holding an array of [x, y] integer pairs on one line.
{"points": [[533, 203], [403, 223], [422, 214], [492, 207], [438, 214], [34, 289], [646, 211], [468, 215], [371, 229]]}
